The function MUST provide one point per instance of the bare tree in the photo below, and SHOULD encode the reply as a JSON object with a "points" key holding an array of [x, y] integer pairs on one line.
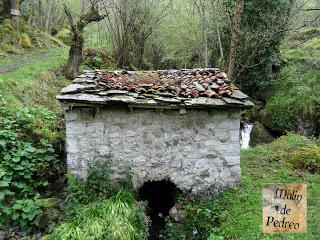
{"points": [[130, 24], [77, 27], [201, 8], [216, 22]]}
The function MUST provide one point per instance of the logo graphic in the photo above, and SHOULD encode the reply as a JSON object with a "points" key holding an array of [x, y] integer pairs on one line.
{"points": [[284, 208]]}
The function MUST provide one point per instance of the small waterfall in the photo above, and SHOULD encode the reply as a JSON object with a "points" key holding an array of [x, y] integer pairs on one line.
{"points": [[245, 135]]}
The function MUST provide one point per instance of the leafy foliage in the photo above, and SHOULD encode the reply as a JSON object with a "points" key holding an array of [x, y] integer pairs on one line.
{"points": [[98, 209], [296, 98], [201, 215], [25, 166], [264, 25], [96, 58]]}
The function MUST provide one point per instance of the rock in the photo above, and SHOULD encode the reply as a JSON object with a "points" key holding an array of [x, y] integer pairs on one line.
{"points": [[75, 88], [51, 212], [177, 213], [260, 135], [205, 85], [215, 86], [232, 101], [238, 95], [199, 87], [265, 117], [49, 216], [3, 235]]}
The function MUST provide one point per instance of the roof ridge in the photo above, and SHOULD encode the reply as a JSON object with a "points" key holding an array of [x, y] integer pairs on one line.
{"points": [[160, 86]]}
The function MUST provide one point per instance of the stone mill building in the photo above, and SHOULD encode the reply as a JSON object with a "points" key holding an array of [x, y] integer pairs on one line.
{"points": [[180, 126]]}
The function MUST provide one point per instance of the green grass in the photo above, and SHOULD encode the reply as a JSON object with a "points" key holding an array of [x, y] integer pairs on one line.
{"points": [[37, 81], [304, 50], [237, 213], [262, 165], [114, 218]]}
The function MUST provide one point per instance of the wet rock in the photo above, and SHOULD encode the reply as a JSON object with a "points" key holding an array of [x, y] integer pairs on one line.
{"points": [[75, 88], [177, 213], [199, 87], [215, 86], [260, 135], [3, 235], [51, 212]]}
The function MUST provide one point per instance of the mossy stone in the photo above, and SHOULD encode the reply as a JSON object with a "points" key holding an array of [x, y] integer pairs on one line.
{"points": [[260, 135]]}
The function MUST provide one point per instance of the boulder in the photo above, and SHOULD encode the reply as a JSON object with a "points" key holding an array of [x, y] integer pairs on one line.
{"points": [[260, 135], [176, 213], [3, 235]]}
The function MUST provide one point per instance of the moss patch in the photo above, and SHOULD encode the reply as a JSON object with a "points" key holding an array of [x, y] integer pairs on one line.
{"points": [[260, 135]]}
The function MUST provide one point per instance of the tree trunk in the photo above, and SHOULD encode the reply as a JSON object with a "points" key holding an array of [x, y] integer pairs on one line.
{"points": [[75, 55], [141, 49], [219, 42], [205, 36], [5, 7], [235, 38], [202, 13], [15, 13]]}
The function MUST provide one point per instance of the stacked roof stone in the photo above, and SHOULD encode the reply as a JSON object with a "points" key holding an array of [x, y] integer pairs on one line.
{"points": [[207, 87]]}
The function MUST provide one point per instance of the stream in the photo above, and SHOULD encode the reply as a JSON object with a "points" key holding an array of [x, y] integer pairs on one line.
{"points": [[245, 135]]}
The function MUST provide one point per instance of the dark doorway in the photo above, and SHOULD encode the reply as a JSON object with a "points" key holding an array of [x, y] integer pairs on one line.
{"points": [[161, 197]]}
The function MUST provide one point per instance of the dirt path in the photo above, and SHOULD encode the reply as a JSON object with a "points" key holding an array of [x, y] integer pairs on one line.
{"points": [[29, 58]]}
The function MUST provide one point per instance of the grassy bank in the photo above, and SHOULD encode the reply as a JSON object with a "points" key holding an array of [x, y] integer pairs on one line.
{"points": [[237, 214], [37, 80]]}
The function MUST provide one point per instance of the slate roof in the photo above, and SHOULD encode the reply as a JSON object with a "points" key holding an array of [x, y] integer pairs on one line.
{"points": [[183, 88]]}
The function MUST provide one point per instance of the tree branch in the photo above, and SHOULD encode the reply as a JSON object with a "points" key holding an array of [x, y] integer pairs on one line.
{"points": [[69, 16]]}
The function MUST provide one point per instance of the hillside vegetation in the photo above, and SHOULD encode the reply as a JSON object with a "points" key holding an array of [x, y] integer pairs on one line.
{"points": [[294, 104], [28, 38]]}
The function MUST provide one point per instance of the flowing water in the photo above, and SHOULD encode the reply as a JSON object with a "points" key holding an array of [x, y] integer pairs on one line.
{"points": [[245, 135]]}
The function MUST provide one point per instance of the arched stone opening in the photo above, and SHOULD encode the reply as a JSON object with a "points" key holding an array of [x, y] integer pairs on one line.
{"points": [[161, 197]]}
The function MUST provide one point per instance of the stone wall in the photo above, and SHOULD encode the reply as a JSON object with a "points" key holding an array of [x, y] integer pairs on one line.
{"points": [[197, 150]]}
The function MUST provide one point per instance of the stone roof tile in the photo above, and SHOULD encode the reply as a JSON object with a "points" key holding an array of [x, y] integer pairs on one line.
{"points": [[176, 88]]}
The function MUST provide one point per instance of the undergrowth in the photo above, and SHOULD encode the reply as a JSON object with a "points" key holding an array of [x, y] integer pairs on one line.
{"points": [[27, 38], [295, 102], [26, 166], [96, 208]]}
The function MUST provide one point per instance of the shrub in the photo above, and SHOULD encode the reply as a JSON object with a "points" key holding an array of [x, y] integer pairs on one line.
{"points": [[64, 35], [306, 158], [25, 167], [98, 209], [96, 58], [25, 41], [97, 184], [201, 217]]}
